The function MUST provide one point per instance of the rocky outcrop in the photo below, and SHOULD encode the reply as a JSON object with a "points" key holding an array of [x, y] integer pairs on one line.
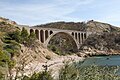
{"points": [[95, 26], [101, 44], [33, 60]]}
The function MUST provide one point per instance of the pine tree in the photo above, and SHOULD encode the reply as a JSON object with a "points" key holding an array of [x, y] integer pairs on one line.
{"points": [[24, 35], [31, 39]]}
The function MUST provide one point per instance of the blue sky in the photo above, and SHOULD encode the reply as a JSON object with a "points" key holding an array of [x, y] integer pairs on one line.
{"points": [[33, 12]]}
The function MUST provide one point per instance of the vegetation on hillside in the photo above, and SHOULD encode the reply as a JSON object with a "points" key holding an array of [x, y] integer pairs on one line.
{"points": [[45, 75], [76, 72], [10, 39], [91, 72], [80, 26], [106, 36], [6, 27], [62, 44], [92, 26], [104, 41]]}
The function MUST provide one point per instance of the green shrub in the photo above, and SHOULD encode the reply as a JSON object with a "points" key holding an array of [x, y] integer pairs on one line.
{"points": [[93, 72], [14, 36], [24, 35], [68, 72], [4, 58], [39, 76], [31, 39], [1, 76]]}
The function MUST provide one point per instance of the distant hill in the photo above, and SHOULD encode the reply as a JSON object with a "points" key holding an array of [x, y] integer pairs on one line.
{"points": [[82, 26]]}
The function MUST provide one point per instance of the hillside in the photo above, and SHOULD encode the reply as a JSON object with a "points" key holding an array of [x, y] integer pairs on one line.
{"points": [[21, 53], [92, 26], [102, 44], [106, 39], [7, 21], [19, 48]]}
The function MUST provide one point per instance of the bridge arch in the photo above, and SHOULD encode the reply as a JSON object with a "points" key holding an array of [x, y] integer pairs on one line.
{"points": [[55, 33], [46, 34], [42, 36], [76, 35], [51, 32], [37, 34], [79, 37], [31, 30], [82, 37], [72, 34], [85, 35]]}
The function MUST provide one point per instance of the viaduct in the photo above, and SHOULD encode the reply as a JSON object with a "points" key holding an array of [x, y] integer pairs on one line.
{"points": [[44, 35]]}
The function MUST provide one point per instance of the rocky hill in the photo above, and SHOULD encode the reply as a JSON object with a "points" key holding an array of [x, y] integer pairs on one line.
{"points": [[21, 53], [14, 51], [106, 38], [102, 44], [92, 26]]}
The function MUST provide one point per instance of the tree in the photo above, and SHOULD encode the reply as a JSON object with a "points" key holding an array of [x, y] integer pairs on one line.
{"points": [[68, 72], [4, 59], [11, 48], [45, 75], [24, 35], [31, 39], [16, 36]]}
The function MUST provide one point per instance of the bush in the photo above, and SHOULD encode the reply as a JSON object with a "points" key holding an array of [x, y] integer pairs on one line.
{"points": [[14, 36], [3, 58], [93, 72], [39, 76], [31, 39], [24, 35], [68, 72]]}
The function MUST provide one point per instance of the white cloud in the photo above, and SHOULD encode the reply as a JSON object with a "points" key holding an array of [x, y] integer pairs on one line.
{"points": [[35, 12], [112, 18]]}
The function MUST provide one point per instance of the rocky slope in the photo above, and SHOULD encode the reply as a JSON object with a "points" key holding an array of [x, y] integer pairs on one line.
{"points": [[106, 38], [102, 44], [31, 59], [18, 53], [92, 26]]}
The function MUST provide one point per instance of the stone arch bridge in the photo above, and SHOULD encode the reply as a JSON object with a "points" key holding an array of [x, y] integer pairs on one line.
{"points": [[45, 34]]}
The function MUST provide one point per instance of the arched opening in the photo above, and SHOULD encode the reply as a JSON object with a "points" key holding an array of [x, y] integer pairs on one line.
{"points": [[31, 30], [82, 37], [73, 34], [42, 36], [79, 37], [46, 34], [85, 36], [62, 43], [76, 36], [37, 34], [51, 32]]}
